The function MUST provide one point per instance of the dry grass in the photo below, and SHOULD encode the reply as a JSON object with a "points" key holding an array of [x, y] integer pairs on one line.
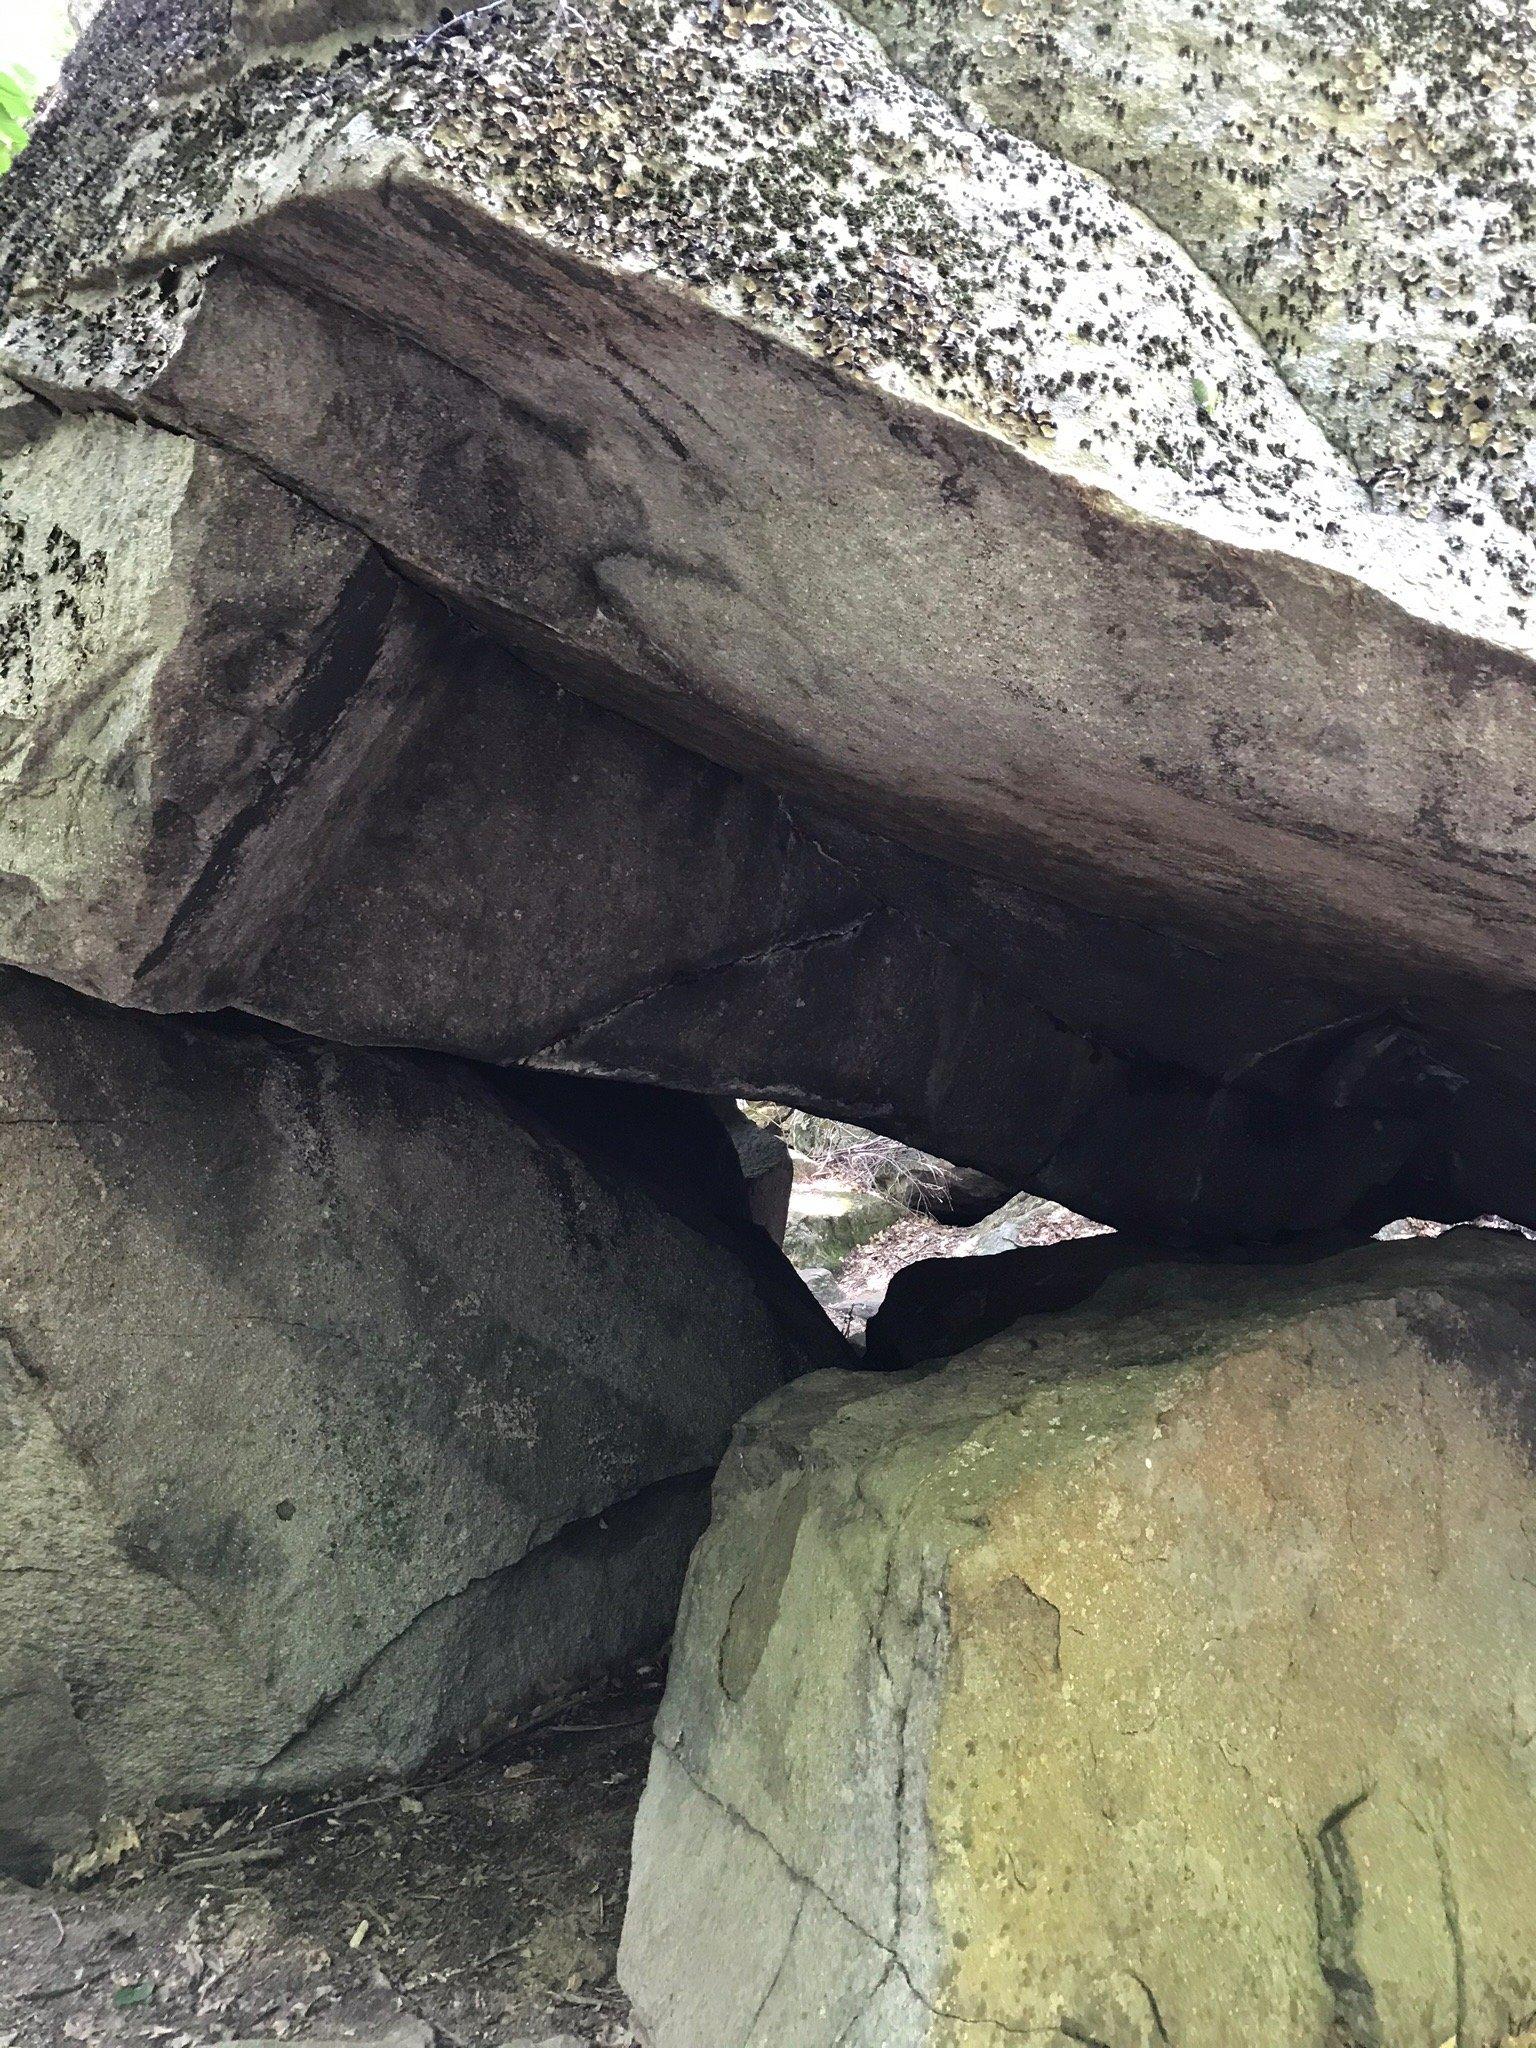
{"points": [[862, 1159]]}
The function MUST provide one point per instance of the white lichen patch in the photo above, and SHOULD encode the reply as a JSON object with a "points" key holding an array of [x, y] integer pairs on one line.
{"points": [[770, 162], [1358, 176]]}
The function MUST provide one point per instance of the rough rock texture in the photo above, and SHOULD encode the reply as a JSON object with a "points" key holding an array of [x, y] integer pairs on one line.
{"points": [[766, 1167], [344, 1406], [537, 878], [1091, 534], [52, 1790], [1158, 1672], [418, 840], [1079, 776], [198, 674], [1359, 179]]}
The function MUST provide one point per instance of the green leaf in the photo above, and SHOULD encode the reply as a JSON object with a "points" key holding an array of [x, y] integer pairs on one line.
{"points": [[127, 1995], [18, 99]]}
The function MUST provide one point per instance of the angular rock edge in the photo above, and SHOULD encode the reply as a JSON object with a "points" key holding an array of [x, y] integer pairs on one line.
{"points": [[1064, 1694], [391, 181]]}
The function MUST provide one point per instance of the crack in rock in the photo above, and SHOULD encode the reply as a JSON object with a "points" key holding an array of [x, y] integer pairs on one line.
{"points": [[1338, 1900], [809, 1884]]}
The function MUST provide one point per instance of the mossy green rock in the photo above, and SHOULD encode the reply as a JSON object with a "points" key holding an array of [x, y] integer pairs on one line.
{"points": [[1158, 1672], [829, 1221]]}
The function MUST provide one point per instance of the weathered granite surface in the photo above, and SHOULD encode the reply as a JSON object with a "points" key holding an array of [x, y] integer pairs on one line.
{"points": [[345, 1407], [1042, 708], [1233, 690], [307, 791], [1359, 179], [1157, 1672]]}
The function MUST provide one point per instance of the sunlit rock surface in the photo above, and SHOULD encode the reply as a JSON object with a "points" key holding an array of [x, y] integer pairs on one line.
{"points": [[1359, 179], [1157, 1672]]}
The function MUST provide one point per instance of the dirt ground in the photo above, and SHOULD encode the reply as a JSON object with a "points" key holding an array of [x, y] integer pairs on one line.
{"points": [[483, 1900]]}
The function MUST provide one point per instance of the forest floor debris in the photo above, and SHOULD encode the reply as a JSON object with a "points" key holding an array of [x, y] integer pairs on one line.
{"points": [[476, 1907]]}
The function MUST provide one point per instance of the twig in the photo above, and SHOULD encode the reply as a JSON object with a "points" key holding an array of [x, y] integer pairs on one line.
{"points": [[217, 1859], [61, 1990], [298, 1820], [533, 1723], [495, 1955], [54, 1917], [591, 1727]]}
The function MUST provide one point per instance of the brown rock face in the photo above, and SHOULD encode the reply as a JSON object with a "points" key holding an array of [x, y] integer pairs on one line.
{"points": [[1160, 1671]]}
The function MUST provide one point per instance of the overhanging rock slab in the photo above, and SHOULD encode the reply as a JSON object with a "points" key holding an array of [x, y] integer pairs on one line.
{"points": [[250, 765], [850, 446], [1038, 704]]}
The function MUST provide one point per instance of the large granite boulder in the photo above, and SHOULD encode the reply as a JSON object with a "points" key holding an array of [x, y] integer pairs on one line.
{"points": [[1159, 1671], [512, 354], [316, 796], [346, 1406], [1359, 180], [1057, 757]]}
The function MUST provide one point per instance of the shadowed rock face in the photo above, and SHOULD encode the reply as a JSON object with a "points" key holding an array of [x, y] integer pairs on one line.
{"points": [[1157, 1672], [823, 643], [199, 671], [346, 1401]]}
